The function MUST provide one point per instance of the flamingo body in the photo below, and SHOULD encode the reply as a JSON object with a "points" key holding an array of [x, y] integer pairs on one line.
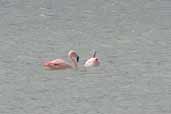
{"points": [[57, 64], [93, 61]]}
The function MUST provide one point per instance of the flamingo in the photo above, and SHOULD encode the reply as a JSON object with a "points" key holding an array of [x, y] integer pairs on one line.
{"points": [[59, 64], [93, 61]]}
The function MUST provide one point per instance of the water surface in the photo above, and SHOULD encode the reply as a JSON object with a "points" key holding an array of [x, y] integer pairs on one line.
{"points": [[132, 39]]}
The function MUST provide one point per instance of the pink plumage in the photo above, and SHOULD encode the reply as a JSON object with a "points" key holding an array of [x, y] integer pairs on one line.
{"points": [[58, 64], [93, 61]]}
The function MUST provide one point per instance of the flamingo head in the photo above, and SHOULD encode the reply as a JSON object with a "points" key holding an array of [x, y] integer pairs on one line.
{"points": [[96, 61], [73, 55]]}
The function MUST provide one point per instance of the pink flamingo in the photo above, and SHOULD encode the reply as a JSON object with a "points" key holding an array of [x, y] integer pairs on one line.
{"points": [[93, 61], [58, 64]]}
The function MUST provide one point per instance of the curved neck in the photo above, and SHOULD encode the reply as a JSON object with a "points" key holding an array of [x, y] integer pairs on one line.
{"points": [[74, 62], [94, 54]]}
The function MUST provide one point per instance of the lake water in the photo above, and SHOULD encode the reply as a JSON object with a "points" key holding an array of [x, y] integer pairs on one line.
{"points": [[132, 39]]}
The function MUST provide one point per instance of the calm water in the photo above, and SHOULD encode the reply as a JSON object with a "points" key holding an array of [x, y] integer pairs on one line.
{"points": [[132, 38]]}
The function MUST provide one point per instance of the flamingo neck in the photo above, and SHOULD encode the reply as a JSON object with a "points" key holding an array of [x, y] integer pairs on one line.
{"points": [[94, 54], [74, 62]]}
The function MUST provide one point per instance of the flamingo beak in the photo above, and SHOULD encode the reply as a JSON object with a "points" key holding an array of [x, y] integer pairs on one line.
{"points": [[78, 58]]}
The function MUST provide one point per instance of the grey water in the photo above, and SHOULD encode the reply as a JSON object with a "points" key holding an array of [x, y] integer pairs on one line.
{"points": [[132, 39]]}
